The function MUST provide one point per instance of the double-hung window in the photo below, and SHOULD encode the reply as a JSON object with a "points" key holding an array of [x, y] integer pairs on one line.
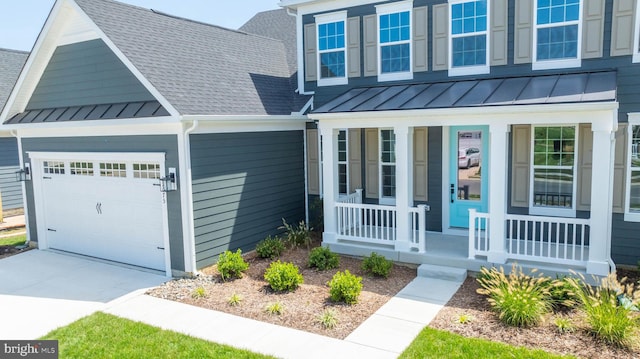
{"points": [[554, 171], [469, 39], [632, 210], [394, 41], [387, 166], [343, 163], [332, 54], [557, 34]]}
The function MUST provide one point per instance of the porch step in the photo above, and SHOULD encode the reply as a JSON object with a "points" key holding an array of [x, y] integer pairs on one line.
{"points": [[441, 272]]}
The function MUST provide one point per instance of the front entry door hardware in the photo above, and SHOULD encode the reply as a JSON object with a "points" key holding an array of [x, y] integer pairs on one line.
{"points": [[99, 207]]}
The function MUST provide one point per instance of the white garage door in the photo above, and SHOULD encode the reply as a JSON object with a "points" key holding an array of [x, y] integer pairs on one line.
{"points": [[105, 208]]}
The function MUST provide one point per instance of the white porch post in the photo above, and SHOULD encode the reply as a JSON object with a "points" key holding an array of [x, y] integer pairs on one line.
{"points": [[404, 186], [498, 153], [604, 142], [330, 182]]}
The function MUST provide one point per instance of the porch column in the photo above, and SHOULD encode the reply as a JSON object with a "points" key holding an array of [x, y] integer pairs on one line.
{"points": [[329, 182], [404, 186], [604, 141], [498, 160]]}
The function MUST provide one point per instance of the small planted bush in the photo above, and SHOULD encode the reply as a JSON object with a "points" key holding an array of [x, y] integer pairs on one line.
{"points": [[198, 293], [608, 320], [377, 265], [231, 265], [328, 319], [283, 276], [296, 235], [345, 287], [270, 247], [562, 293], [235, 300], [465, 318], [564, 325], [323, 259], [520, 300], [276, 308]]}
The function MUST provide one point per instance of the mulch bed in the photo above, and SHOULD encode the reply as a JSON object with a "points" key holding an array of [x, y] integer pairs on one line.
{"points": [[485, 324], [302, 307]]}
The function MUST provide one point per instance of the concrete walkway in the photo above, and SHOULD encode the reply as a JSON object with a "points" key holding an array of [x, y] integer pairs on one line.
{"points": [[384, 335]]}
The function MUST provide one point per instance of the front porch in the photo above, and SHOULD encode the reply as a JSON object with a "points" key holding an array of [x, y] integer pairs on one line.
{"points": [[553, 243]]}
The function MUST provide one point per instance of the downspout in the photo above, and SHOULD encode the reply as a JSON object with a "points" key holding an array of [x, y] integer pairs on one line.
{"points": [[14, 133], [306, 179], [189, 189]]}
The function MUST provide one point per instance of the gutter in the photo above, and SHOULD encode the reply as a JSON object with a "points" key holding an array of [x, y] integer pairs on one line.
{"points": [[191, 242]]}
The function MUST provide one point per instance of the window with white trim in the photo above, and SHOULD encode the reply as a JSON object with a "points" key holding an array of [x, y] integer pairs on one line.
{"points": [[468, 37], [632, 209], [394, 41], [557, 35], [332, 53], [387, 166], [343, 162], [554, 170]]}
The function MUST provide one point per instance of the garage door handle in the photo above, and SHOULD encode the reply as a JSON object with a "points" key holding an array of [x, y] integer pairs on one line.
{"points": [[51, 230], [161, 248], [46, 177]]}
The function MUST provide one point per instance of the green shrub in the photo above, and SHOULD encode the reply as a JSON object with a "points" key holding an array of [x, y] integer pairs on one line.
{"points": [[608, 320], [235, 300], [328, 319], [283, 276], [465, 318], [276, 308], [296, 235], [270, 247], [345, 287], [231, 265], [377, 265], [520, 300], [323, 259], [198, 293], [562, 293]]}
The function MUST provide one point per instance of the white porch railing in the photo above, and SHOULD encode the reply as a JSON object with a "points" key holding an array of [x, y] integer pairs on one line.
{"points": [[534, 238], [377, 224]]}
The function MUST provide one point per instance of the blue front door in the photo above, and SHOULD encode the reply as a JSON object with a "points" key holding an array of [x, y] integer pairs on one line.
{"points": [[468, 179]]}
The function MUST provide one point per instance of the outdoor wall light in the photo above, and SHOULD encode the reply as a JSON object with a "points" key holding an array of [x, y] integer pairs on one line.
{"points": [[24, 174], [169, 183]]}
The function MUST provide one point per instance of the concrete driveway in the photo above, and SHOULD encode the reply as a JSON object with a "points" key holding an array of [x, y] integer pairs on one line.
{"points": [[42, 290]]}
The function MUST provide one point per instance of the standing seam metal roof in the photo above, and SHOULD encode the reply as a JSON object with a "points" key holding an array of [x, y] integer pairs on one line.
{"points": [[547, 89]]}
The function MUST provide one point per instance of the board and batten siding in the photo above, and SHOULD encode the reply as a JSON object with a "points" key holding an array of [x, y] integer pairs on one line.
{"points": [[167, 144], [244, 184], [9, 163], [86, 73]]}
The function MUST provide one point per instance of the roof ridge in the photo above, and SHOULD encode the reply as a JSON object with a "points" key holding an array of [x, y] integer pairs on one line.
{"points": [[162, 13], [15, 51]]}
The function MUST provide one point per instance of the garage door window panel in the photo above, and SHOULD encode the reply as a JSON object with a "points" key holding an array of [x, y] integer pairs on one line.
{"points": [[113, 170], [53, 167], [146, 170], [81, 168]]}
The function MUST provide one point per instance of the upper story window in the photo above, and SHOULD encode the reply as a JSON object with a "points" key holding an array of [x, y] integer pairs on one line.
{"points": [[554, 171], [469, 40], [394, 41], [332, 54], [557, 40]]}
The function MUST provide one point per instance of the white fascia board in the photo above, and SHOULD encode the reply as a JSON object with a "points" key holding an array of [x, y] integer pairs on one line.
{"points": [[228, 124], [521, 114], [311, 7], [154, 92], [99, 128]]}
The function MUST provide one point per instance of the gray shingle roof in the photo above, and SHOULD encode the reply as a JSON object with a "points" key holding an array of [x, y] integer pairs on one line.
{"points": [[11, 63], [200, 69], [527, 90]]}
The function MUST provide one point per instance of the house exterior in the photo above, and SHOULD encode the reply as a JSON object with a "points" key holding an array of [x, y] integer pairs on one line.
{"points": [[153, 140], [469, 133], [11, 64]]}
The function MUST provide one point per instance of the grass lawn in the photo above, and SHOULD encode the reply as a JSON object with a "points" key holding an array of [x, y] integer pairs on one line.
{"points": [[433, 343], [103, 335], [13, 241]]}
